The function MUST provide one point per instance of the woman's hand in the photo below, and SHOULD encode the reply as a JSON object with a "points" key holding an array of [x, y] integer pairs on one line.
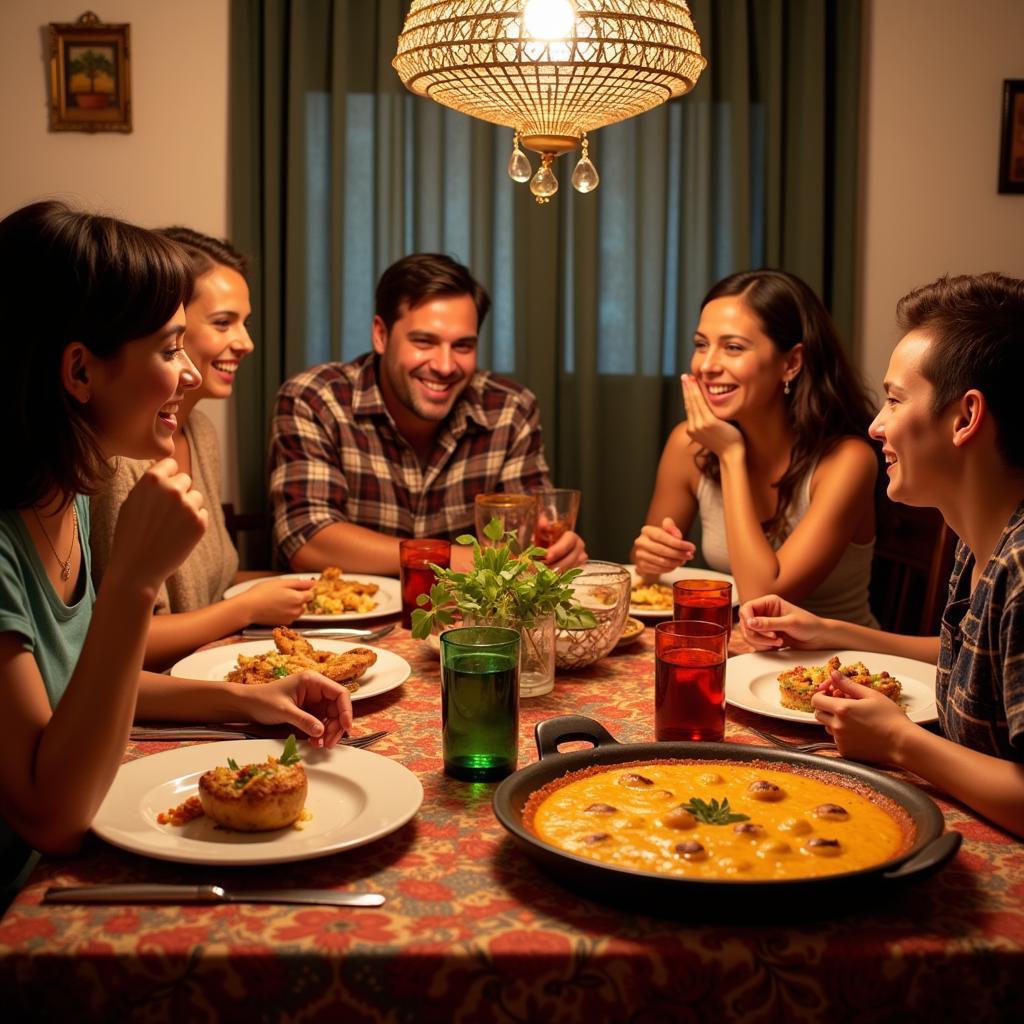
{"points": [[160, 522], [277, 602], [703, 426], [318, 706], [865, 724], [660, 549], [770, 622], [566, 553]]}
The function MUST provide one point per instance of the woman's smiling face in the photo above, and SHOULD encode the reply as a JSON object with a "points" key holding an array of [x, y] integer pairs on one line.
{"points": [[216, 336], [134, 396], [739, 367]]}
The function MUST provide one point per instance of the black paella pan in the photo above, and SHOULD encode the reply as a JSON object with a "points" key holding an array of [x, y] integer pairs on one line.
{"points": [[932, 848]]}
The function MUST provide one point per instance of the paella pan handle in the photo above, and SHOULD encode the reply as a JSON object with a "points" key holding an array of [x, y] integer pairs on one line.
{"points": [[932, 857], [549, 734]]}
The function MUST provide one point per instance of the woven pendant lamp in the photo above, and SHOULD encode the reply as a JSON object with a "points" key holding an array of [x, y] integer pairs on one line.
{"points": [[552, 70]]}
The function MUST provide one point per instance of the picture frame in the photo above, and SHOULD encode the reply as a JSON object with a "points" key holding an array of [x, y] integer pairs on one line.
{"points": [[1011, 148], [90, 82]]}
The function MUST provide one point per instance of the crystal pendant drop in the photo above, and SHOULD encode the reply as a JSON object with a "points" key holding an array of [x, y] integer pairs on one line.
{"points": [[519, 168], [543, 184], [584, 176]]}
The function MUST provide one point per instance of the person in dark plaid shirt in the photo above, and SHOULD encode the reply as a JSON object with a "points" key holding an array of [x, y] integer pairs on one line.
{"points": [[951, 436], [399, 442]]}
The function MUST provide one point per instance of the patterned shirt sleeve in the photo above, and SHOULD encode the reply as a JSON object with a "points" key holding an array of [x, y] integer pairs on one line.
{"points": [[308, 491], [525, 469], [1011, 643]]}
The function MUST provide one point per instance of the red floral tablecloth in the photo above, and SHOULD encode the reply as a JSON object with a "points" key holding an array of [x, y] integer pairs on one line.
{"points": [[474, 931]]}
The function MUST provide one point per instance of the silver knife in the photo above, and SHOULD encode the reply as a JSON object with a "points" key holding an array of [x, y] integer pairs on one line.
{"points": [[258, 633], [151, 893]]}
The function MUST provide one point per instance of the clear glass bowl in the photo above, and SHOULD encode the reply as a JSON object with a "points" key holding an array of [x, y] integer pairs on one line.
{"points": [[602, 588]]}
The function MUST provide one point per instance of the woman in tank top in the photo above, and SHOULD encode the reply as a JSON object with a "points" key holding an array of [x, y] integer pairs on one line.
{"points": [[773, 454]]}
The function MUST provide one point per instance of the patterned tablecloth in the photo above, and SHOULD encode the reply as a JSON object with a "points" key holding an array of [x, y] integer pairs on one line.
{"points": [[474, 931]]}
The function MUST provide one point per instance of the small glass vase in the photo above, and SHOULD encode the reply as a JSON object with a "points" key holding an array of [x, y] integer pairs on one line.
{"points": [[536, 651]]}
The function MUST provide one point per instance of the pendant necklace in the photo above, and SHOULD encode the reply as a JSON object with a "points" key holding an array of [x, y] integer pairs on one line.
{"points": [[65, 563]]}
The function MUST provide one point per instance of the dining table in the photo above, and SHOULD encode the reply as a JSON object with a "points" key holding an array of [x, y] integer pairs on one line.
{"points": [[475, 930]]}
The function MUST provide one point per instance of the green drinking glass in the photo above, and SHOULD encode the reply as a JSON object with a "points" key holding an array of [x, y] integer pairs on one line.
{"points": [[480, 702]]}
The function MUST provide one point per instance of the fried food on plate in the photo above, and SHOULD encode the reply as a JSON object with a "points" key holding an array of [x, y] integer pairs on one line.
{"points": [[799, 684], [332, 594], [656, 596], [296, 654]]}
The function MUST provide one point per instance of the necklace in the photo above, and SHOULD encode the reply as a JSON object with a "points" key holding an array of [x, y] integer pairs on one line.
{"points": [[65, 563]]}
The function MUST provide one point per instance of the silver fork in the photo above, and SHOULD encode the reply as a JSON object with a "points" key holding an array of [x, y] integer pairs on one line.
{"points": [[803, 748]]}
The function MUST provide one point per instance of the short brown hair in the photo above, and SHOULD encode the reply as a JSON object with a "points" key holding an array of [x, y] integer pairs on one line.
{"points": [[422, 276], [205, 252], [70, 276], [976, 327]]}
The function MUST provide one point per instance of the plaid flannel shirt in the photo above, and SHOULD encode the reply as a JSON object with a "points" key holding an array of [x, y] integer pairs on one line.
{"points": [[980, 683], [336, 456]]}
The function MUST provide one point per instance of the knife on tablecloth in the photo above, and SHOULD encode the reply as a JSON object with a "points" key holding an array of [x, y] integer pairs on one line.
{"points": [[339, 632], [153, 893]]}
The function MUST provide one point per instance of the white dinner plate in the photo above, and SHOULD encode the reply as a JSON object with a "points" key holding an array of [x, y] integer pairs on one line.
{"points": [[355, 797], [388, 598], [752, 681], [215, 663], [668, 578]]}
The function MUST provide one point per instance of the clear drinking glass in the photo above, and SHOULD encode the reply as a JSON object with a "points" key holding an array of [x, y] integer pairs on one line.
{"points": [[516, 512], [556, 514], [480, 702]]}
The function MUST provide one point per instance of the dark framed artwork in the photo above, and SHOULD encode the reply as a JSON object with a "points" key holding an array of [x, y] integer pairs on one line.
{"points": [[90, 84], [1011, 150]]}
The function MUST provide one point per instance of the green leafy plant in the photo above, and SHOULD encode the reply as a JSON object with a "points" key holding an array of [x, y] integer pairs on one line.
{"points": [[506, 586], [713, 813]]}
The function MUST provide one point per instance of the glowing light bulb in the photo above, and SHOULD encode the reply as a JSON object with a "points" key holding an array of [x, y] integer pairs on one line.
{"points": [[549, 19]]}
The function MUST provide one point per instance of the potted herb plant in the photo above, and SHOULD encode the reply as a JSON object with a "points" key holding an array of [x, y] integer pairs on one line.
{"points": [[507, 586]]}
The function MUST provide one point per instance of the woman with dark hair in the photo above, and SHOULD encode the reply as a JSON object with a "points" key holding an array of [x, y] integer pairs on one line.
{"points": [[189, 608], [91, 322], [773, 454]]}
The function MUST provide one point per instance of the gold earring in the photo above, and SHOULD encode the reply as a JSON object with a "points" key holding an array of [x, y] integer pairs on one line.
{"points": [[785, 390]]}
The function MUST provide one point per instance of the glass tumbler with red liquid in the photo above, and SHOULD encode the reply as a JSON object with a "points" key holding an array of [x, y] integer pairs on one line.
{"points": [[689, 682], [415, 558], [557, 510], [706, 600]]}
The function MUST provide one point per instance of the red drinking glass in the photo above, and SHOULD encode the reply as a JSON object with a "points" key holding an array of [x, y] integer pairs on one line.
{"points": [[415, 558], [689, 682], [706, 600]]}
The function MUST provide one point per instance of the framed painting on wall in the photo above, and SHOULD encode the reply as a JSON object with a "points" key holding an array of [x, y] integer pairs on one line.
{"points": [[90, 86], [1011, 150]]}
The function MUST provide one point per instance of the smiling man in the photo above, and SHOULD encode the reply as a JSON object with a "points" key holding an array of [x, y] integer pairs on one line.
{"points": [[399, 442], [950, 430]]}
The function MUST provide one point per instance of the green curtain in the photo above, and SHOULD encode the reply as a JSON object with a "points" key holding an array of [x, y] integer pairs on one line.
{"points": [[336, 171]]}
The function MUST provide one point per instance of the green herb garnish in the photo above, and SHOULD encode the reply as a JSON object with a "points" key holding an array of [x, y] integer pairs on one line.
{"points": [[232, 764], [280, 671], [506, 586], [291, 752], [713, 813]]}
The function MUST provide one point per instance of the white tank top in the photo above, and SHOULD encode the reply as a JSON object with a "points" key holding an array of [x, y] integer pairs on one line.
{"points": [[843, 594]]}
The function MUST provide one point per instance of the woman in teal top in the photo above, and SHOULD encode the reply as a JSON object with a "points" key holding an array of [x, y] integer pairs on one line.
{"points": [[91, 324]]}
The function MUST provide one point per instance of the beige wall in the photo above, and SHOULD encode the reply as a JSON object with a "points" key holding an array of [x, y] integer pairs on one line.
{"points": [[933, 88], [172, 168]]}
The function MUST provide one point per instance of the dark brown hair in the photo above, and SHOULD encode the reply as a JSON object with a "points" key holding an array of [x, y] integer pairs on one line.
{"points": [[976, 327], [205, 251], [69, 276], [828, 401], [416, 279]]}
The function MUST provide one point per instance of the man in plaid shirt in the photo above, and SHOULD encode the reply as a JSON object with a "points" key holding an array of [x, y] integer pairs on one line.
{"points": [[951, 435], [399, 442]]}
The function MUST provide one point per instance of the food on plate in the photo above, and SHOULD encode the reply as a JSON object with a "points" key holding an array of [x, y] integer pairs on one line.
{"points": [[250, 797], [653, 596], [674, 817], [799, 684], [296, 654], [332, 594]]}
